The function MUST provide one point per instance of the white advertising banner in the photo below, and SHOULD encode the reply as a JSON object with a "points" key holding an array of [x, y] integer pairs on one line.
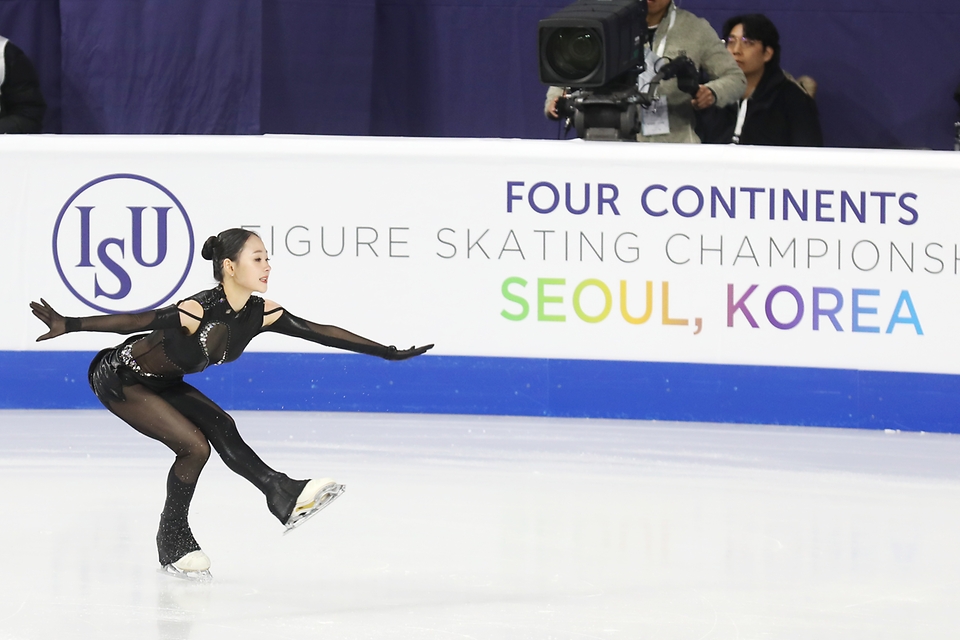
{"points": [[607, 251]]}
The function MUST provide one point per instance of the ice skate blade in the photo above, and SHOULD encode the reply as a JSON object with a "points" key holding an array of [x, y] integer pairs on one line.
{"points": [[303, 512], [191, 576]]}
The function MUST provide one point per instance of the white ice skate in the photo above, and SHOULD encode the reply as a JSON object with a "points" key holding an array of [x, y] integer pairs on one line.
{"points": [[314, 497], [194, 566]]}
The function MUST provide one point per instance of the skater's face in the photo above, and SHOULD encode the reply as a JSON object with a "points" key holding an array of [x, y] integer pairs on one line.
{"points": [[252, 267]]}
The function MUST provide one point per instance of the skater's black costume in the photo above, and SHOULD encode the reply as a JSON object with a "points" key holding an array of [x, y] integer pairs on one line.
{"points": [[141, 381]]}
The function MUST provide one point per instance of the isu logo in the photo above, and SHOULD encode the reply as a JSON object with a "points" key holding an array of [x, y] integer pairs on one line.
{"points": [[123, 243]]}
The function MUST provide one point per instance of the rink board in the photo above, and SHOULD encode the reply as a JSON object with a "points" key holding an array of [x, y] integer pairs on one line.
{"points": [[760, 285], [529, 387]]}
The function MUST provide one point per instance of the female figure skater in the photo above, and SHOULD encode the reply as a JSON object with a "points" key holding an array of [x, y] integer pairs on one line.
{"points": [[141, 382]]}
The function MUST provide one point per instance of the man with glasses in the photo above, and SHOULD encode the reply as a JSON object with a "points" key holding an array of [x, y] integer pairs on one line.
{"points": [[774, 109]]}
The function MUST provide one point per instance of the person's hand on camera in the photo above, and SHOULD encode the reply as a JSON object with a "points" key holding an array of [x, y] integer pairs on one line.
{"points": [[552, 109], [552, 112], [705, 98]]}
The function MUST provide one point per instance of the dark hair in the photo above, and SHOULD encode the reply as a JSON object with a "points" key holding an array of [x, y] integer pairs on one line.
{"points": [[225, 246], [759, 27]]}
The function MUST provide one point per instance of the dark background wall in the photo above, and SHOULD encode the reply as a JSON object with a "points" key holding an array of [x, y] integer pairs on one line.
{"points": [[886, 70]]}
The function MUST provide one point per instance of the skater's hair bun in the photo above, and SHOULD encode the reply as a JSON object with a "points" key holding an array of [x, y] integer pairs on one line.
{"points": [[224, 246], [209, 248]]}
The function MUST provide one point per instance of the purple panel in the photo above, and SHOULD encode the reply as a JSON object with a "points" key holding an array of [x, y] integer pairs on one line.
{"points": [[459, 69], [161, 66], [317, 65], [34, 26]]}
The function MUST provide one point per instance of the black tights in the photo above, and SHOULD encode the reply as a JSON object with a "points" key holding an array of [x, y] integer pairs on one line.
{"points": [[188, 422]]}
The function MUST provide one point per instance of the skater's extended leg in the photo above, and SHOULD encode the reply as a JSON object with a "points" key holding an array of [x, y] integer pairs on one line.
{"points": [[282, 492]]}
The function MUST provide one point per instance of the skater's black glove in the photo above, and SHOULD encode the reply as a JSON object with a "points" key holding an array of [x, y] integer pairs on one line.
{"points": [[55, 322], [394, 354]]}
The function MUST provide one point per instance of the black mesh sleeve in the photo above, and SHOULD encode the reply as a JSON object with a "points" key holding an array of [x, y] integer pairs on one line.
{"points": [[165, 318], [328, 335]]}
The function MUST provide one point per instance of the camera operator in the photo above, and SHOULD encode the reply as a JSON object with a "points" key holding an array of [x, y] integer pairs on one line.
{"points": [[21, 103], [673, 32]]}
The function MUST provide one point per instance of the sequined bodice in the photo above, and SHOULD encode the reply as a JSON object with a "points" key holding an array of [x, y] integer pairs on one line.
{"points": [[222, 336]]}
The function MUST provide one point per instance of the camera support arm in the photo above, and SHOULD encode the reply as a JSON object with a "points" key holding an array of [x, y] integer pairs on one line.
{"points": [[613, 111]]}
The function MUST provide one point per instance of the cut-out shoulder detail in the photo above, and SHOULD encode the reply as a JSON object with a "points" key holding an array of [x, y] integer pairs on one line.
{"points": [[185, 312], [190, 303], [270, 315], [192, 322]]}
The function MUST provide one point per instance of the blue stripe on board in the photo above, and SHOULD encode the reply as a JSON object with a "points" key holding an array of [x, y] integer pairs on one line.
{"points": [[528, 387]]}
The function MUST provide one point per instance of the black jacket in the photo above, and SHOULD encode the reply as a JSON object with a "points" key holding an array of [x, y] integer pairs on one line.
{"points": [[779, 113], [21, 103]]}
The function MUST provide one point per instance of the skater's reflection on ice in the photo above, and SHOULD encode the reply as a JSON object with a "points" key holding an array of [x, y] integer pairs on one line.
{"points": [[179, 604]]}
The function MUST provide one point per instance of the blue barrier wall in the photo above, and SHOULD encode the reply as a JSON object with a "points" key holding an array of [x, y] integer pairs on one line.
{"points": [[528, 387]]}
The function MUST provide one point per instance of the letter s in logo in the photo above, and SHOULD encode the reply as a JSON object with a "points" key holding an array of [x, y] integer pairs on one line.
{"points": [[123, 243]]}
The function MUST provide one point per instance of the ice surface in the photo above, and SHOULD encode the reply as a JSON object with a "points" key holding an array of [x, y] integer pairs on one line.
{"points": [[488, 527]]}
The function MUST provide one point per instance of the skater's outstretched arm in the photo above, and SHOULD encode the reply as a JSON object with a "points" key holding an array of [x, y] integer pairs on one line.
{"points": [[280, 320], [165, 318]]}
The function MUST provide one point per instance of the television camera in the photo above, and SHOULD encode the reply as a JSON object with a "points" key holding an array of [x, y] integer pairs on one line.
{"points": [[595, 48]]}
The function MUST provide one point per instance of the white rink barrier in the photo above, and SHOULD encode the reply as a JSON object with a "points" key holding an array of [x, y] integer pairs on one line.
{"points": [[627, 262]]}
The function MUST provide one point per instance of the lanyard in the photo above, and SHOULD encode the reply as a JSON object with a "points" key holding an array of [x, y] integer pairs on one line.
{"points": [[663, 43], [741, 118], [3, 51]]}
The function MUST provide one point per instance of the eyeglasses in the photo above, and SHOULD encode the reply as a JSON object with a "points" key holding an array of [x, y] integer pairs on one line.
{"points": [[732, 41]]}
